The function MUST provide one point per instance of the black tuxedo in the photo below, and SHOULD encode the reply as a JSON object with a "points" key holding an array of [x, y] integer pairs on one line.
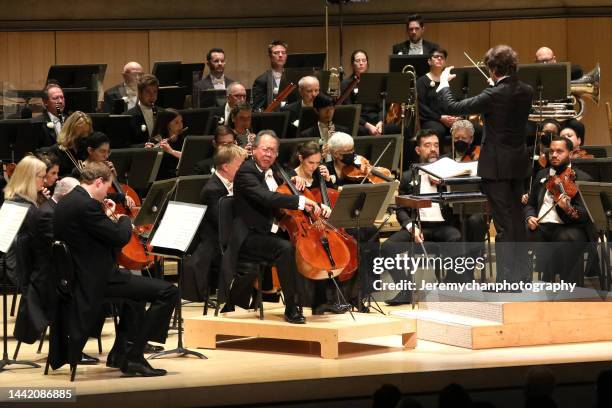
{"points": [[207, 253], [504, 160], [93, 238], [262, 90], [206, 83], [295, 110], [404, 47], [138, 136], [33, 254], [251, 239], [566, 242], [48, 135], [111, 95]]}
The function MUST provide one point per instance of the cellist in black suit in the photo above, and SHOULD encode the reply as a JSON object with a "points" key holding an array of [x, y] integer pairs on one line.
{"points": [[254, 232], [82, 220]]}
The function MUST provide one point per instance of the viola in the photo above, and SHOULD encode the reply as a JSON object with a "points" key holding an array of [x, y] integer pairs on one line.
{"points": [[564, 184], [473, 155], [329, 196], [320, 252], [356, 173]]}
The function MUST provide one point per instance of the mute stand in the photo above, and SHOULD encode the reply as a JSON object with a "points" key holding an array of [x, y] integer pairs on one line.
{"points": [[171, 237], [12, 216], [357, 205]]}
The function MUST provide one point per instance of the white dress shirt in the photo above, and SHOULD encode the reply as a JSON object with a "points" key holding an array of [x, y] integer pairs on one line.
{"points": [[273, 186], [147, 113]]}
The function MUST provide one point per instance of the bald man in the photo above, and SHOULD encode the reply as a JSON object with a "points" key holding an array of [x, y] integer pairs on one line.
{"points": [[308, 88], [126, 92], [545, 55]]}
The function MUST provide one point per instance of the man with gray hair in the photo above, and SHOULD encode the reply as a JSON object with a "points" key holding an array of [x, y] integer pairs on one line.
{"points": [[126, 92], [63, 187], [236, 95], [255, 231], [308, 88]]}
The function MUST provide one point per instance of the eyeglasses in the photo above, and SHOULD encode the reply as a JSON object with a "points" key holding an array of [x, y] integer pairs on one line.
{"points": [[438, 56], [269, 151]]}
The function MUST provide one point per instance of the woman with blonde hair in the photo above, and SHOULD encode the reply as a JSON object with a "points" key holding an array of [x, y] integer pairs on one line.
{"points": [[27, 180], [70, 147]]}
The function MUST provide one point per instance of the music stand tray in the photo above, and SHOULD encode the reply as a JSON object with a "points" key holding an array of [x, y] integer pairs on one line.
{"points": [[137, 166], [419, 62], [314, 60], [372, 88]]}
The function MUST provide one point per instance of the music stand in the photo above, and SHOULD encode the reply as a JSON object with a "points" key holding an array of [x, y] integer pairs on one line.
{"points": [[402, 90], [314, 60], [277, 121], [419, 62], [551, 81], [357, 205], [599, 169], [468, 82], [373, 146], [168, 242], [200, 121], [18, 137], [188, 188], [373, 90], [288, 147], [12, 215], [167, 72], [190, 73], [209, 98], [137, 167], [156, 197], [78, 76], [172, 96], [597, 198], [195, 148], [118, 128]]}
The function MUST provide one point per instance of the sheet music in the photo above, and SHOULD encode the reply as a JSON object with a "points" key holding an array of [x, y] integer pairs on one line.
{"points": [[446, 167], [178, 225], [11, 217]]}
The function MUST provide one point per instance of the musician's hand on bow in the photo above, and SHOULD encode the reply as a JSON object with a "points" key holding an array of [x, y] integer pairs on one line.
{"points": [[532, 223], [417, 234], [434, 181], [372, 130], [312, 207], [324, 172], [129, 201], [325, 211], [299, 182], [525, 199], [379, 127], [446, 76], [109, 207], [45, 191]]}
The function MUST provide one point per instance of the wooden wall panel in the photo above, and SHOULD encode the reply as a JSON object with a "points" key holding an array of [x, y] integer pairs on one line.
{"points": [[113, 48], [457, 38], [25, 58], [586, 46], [526, 36], [376, 40]]}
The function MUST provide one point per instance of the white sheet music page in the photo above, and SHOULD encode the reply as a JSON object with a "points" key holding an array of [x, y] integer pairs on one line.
{"points": [[447, 167], [178, 225], [11, 217]]}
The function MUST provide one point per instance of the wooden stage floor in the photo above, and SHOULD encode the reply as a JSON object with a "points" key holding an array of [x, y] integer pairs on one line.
{"points": [[258, 371]]}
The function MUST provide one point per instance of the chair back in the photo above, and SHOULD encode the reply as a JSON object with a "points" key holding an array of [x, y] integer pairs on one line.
{"points": [[64, 266]]}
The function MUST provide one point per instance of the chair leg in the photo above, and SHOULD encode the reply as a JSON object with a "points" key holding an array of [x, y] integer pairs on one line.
{"points": [[47, 366], [73, 368], [42, 341], [14, 302], [100, 344], [16, 350], [259, 301], [205, 311]]}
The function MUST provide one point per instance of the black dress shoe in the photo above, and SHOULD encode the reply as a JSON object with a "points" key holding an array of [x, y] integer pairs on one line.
{"points": [[336, 308], [140, 367], [150, 349], [293, 314], [88, 360], [402, 298]]}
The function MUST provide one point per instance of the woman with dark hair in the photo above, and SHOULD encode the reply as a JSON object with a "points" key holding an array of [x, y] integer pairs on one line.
{"points": [[370, 121], [168, 135]]}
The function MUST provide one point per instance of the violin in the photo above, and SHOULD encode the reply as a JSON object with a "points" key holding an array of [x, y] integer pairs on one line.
{"points": [[320, 252], [364, 170], [329, 196], [564, 184]]}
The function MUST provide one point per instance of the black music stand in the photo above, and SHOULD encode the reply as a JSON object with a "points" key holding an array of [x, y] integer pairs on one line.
{"points": [[597, 198], [78, 76], [373, 146], [136, 166], [167, 72], [402, 90], [201, 121], [358, 205], [211, 98], [195, 148], [468, 82], [551, 81], [118, 128], [314, 60], [344, 115], [419, 63], [373, 90], [8, 237], [189, 74], [288, 147], [188, 216], [172, 96], [277, 121], [17, 138], [599, 169], [158, 195]]}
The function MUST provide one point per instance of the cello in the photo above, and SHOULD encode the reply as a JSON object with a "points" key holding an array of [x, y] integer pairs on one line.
{"points": [[320, 251]]}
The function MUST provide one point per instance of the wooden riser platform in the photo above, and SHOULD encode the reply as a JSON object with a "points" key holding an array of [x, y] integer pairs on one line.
{"points": [[483, 325], [328, 330]]}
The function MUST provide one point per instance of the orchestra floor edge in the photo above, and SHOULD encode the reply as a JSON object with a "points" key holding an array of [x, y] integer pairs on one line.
{"points": [[269, 371]]}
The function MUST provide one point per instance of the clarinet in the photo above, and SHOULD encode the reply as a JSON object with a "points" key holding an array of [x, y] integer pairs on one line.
{"points": [[58, 113]]}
